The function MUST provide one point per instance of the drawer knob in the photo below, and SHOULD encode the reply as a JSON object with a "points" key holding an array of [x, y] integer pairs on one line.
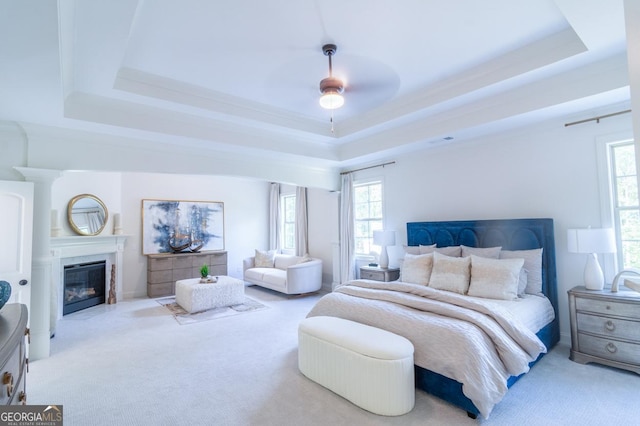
{"points": [[609, 325], [7, 380], [611, 348]]}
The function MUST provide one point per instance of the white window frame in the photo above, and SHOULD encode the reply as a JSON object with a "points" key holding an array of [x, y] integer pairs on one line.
{"points": [[612, 263], [369, 256]]}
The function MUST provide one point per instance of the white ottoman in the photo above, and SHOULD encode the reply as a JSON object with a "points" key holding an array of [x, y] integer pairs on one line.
{"points": [[194, 296], [370, 367]]}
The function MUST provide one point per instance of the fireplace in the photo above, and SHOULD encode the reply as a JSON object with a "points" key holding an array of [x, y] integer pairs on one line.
{"points": [[84, 286]]}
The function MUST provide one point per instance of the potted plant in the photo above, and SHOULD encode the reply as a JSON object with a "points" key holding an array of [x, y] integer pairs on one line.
{"points": [[204, 273]]}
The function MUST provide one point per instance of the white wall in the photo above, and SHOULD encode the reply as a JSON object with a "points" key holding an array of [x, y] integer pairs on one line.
{"points": [[245, 211], [544, 171]]}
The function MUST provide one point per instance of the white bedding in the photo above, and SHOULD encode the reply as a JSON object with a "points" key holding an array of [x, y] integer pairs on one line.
{"points": [[533, 311], [475, 341]]}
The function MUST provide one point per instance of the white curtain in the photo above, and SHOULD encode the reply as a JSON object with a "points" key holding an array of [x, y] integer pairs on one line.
{"points": [[347, 232], [302, 244], [274, 216]]}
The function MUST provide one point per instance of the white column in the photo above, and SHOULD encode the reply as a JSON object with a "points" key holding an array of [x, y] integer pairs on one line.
{"points": [[41, 289]]}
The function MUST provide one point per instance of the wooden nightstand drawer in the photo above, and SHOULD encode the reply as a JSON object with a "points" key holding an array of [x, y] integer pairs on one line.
{"points": [[371, 275], [608, 307], [608, 327], [610, 349], [379, 274]]}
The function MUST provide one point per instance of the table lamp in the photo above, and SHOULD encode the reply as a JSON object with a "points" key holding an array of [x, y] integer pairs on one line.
{"points": [[384, 239], [592, 241]]}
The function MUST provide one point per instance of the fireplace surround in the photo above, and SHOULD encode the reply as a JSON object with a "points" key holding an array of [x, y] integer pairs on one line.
{"points": [[77, 250]]}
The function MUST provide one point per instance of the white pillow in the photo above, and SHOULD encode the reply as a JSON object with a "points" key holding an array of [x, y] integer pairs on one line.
{"points": [[416, 269], [411, 249], [495, 278], [453, 251], [264, 259], [532, 264], [490, 252], [450, 273]]}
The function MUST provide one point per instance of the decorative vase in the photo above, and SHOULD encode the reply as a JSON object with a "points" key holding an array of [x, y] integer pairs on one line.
{"points": [[5, 293]]}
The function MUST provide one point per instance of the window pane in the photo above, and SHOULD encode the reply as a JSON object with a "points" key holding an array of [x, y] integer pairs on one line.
{"points": [[625, 203], [368, 216], [627, 191]]}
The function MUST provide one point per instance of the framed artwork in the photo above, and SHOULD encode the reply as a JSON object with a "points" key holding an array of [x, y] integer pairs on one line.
{"points": [[170, 226]]}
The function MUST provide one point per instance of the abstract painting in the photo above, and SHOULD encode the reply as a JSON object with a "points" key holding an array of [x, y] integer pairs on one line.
{"points": [[170, 226]]}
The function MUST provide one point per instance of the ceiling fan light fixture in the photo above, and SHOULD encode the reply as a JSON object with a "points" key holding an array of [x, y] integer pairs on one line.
{"points": [[331, 88]]}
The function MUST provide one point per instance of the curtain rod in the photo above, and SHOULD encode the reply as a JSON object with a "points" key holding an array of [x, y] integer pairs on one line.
{"points": [[597, 119], [370, 167]]}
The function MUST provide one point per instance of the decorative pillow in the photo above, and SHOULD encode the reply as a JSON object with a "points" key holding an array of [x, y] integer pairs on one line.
{"points": [[495, 278], [264, 259], [450, 273], [522, 282], [411, 249], [453, 251], [490, 252], [416, 269], [532, 264]]}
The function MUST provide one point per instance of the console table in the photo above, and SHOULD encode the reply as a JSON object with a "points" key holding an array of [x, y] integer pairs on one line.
{"points": [[163, 270]]}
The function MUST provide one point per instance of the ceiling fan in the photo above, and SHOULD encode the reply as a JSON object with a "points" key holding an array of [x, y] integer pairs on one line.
{"points": [[331, 87]]}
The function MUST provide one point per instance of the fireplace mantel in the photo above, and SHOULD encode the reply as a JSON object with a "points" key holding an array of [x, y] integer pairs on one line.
{"points": [[77, 249]]}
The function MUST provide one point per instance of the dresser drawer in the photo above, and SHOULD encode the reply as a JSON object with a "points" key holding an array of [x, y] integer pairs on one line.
{"points": [[609, 327], [371, 275], [614, 350], [10, 376], [159, 263], [608, 307]]}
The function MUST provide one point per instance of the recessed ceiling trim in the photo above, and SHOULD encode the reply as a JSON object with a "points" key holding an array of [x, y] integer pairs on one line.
{"points": [[158, 87], [549, 50], [115, 112]]}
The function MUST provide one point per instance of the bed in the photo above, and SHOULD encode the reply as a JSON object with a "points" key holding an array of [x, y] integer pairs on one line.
{"points": [[399, 307]]}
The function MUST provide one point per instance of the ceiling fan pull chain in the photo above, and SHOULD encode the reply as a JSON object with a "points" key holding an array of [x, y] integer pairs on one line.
{"points": [[332, 132]]}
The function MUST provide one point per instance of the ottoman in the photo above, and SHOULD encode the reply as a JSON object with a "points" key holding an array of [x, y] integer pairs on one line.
{"points": [[370, 367], [194, 296]]}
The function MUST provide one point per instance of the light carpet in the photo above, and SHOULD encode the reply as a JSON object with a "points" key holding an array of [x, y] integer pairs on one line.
{"points": [[183, 317], [132, 364]]}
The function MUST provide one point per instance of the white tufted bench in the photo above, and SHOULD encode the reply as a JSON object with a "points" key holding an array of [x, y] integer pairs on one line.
{"points": [[370, 367], [196, 297]]}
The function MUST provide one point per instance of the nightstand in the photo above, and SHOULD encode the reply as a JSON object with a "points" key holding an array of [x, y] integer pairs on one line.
{"points": [[605, 327], [379, 274]]}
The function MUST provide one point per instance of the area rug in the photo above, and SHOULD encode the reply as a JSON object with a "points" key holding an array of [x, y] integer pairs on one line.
{"points": [[183, 317]]}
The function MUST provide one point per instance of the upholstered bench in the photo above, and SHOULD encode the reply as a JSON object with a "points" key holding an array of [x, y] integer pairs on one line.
{"points": [[196, 297], [370, 367]]}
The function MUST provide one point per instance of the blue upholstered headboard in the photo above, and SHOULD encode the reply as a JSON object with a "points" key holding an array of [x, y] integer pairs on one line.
{"points": [[510, 234]]}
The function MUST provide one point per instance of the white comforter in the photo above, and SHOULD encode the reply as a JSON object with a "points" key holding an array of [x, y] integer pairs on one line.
{"points": [[456, 336]]}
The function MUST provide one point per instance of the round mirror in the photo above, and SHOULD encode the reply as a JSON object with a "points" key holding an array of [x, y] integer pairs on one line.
{"points": [[87, 214]]}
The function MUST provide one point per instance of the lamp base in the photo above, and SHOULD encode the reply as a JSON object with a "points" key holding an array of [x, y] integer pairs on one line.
{"points": [[593, 277], [384, 258]]}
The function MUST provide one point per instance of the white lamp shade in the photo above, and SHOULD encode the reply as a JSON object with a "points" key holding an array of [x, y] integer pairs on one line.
{"points": [[384, 238], [591, 240]]}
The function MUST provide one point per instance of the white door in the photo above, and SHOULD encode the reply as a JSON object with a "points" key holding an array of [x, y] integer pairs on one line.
{"points": [[16, 229]]}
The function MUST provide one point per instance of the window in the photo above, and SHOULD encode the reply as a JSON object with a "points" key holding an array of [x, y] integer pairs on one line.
{"points": [[288, 209], [624, 198], [368, 215]]}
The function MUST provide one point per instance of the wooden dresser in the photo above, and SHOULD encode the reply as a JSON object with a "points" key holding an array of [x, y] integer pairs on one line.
{"points": [[163, 270], [13, 354], [605, 327]]}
